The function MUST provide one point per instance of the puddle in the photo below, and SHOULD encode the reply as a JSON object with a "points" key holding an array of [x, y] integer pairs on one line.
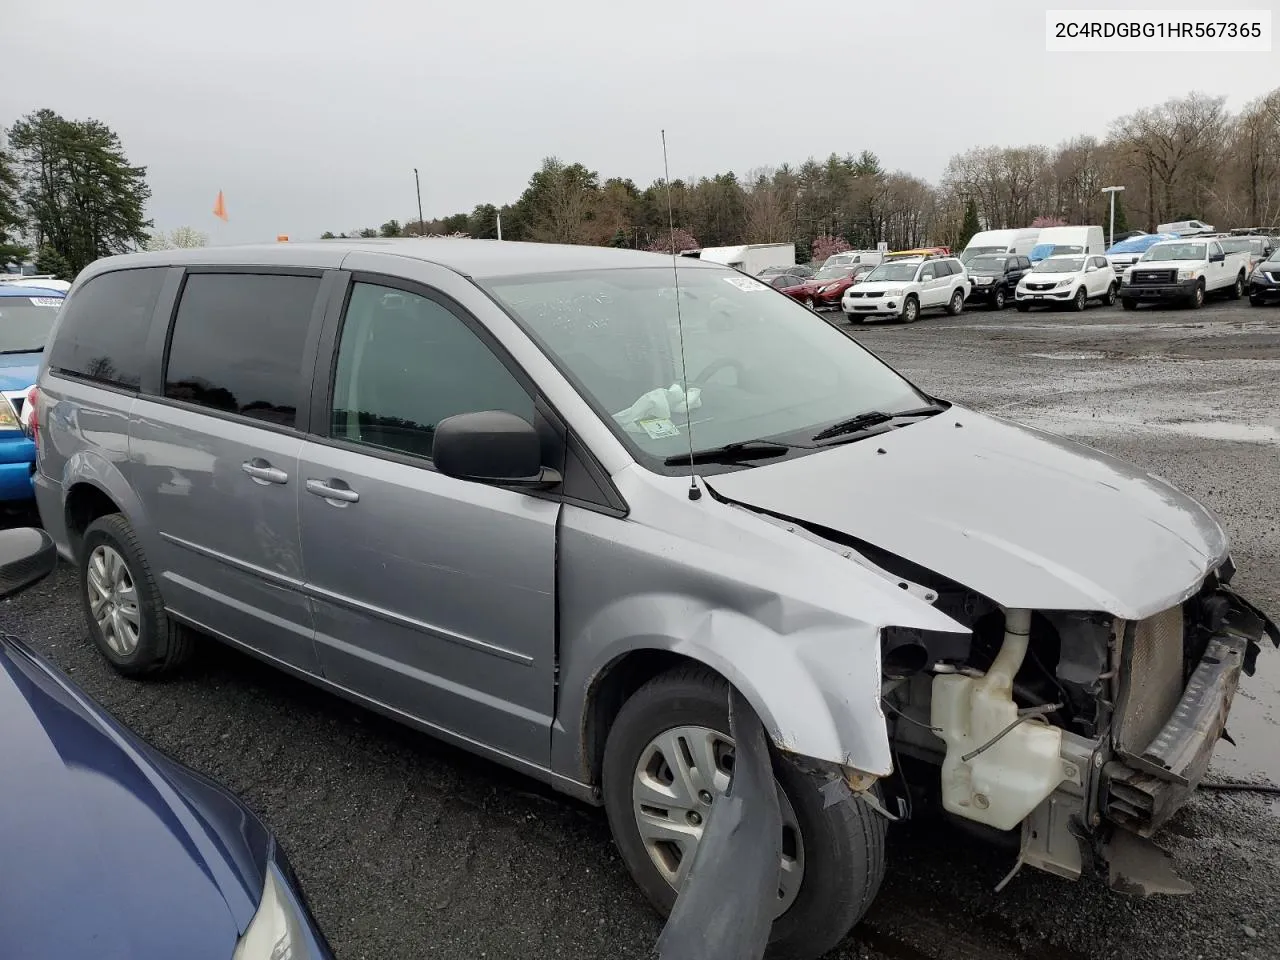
{"points": [[1107, 424], [1254, 724], [1086, 355]]}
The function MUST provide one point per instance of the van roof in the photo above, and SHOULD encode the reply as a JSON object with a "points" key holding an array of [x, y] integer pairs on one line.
{"points": [[472, 258]]}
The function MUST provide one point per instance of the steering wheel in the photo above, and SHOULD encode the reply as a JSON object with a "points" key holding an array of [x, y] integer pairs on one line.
{"points": [[715, 366]]}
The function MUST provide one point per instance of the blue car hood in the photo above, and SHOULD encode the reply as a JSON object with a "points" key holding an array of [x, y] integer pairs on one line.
{"points": [[18, 370], [109, 849]]}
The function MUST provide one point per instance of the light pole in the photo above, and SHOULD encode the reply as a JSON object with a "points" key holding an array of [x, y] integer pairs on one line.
{"points": [[422, 227], [1113, 191]]}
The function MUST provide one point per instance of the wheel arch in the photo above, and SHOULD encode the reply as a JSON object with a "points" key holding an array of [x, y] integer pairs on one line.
{"points": [[804, 689]]}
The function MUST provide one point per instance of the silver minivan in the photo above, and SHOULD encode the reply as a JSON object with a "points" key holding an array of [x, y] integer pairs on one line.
{"points": [[549, 503]]}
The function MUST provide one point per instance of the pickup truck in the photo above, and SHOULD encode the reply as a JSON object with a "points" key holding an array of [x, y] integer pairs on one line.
{"points": [[1186, 270]]}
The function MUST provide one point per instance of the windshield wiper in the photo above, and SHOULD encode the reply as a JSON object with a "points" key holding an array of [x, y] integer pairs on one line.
{"points": [[733, 452], [872, 418], [5, 353]]}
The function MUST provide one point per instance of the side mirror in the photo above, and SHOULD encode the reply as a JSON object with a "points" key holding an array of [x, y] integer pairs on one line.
{"points": [[27, 556], [1091, 268], [491, 446], [1217, 257]]}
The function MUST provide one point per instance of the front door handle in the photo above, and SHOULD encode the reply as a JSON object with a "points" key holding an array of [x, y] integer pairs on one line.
{"points": [[263, 472], [335, 491]]}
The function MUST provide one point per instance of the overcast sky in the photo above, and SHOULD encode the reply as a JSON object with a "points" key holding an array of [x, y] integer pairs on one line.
{"points": [[312, 114]]}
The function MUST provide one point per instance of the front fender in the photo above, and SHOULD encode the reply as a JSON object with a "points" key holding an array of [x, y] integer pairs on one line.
{"points": [[813, 679]]}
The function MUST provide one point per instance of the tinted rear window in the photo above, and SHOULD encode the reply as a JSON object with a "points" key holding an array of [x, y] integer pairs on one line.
{"points": [[237, 343], [102, 335]]}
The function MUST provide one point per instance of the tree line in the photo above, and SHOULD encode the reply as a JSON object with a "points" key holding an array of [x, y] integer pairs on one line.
{"points": [[69, 194], [1186, 158]]}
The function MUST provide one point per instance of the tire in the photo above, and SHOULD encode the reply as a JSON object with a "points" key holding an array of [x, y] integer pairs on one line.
{"points": [[843, 846], [1080, 300], [998, 300], [1110, 298], [956, 304], [1237, 290], [1129, 304], [1023, 307], [910, 309], [1196, 300], [147, 643]]}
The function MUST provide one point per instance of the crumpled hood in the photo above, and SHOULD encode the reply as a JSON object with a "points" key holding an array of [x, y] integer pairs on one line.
{"points": [[18, 370], [1021, 516], [102, 856]]}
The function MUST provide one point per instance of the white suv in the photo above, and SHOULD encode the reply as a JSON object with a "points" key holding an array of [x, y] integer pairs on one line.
{"points": [[902, 288], [1070, 280]]}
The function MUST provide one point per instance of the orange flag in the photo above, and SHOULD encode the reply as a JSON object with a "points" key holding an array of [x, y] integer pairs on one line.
{"points": [[220, 208]]}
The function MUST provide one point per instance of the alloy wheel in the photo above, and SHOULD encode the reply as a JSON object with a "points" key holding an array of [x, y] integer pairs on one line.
{"points": [[113, 600]]}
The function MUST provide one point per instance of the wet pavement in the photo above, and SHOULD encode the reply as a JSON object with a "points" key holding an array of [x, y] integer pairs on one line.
{"points": [[410, 849]]}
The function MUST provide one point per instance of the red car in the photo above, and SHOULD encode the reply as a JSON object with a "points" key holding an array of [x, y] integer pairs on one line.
{"points": [[828, 285]]}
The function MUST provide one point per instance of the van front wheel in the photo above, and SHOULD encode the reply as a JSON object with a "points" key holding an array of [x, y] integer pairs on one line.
{"points": [[669, 756], [122, 604]]}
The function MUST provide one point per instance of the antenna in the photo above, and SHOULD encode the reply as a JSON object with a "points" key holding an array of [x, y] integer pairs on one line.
{"points": [[694, 492]]}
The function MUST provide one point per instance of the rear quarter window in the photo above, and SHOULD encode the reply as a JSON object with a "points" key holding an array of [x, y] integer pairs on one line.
{"points": [[102, 333], [237, 344]]}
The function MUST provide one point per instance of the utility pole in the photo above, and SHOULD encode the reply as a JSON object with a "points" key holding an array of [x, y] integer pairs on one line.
{"points": [[1113, 191], [422, 226], [499, 224]]}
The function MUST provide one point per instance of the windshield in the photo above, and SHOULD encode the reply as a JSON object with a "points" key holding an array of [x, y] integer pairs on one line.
{"points": [[764, 365], [893, 271], [25, 323], [971, 252], [1176, 251], [834, 272], [987, 264], [1059, 265]]}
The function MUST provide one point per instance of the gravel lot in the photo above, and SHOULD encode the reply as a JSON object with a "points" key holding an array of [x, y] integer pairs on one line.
{"points": [[412, 849]]}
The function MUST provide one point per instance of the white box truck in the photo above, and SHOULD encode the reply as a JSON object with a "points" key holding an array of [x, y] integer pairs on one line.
{"points": [[752, 257]]}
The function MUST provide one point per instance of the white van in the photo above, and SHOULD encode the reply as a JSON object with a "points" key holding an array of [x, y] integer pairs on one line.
{"points": [[1018, 242], [1080, 241], [1186, 228]]}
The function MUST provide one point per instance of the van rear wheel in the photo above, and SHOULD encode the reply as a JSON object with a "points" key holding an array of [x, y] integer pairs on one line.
{"points": [[122, 605], [674, 731]]}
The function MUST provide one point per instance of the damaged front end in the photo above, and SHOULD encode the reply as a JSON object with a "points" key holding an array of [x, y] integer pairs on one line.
{"points": [[1085, 732]]}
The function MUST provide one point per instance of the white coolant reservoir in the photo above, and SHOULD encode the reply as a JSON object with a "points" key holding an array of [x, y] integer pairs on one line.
{"points": [[1004, 783]]}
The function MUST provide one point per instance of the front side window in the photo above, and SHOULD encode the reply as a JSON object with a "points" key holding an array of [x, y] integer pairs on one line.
{"points": [[405, 363], [764, 366], [103, 331], [237, 344]]}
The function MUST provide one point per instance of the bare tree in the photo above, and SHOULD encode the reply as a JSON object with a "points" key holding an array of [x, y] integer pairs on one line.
{"points": [[1176, 145]]}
